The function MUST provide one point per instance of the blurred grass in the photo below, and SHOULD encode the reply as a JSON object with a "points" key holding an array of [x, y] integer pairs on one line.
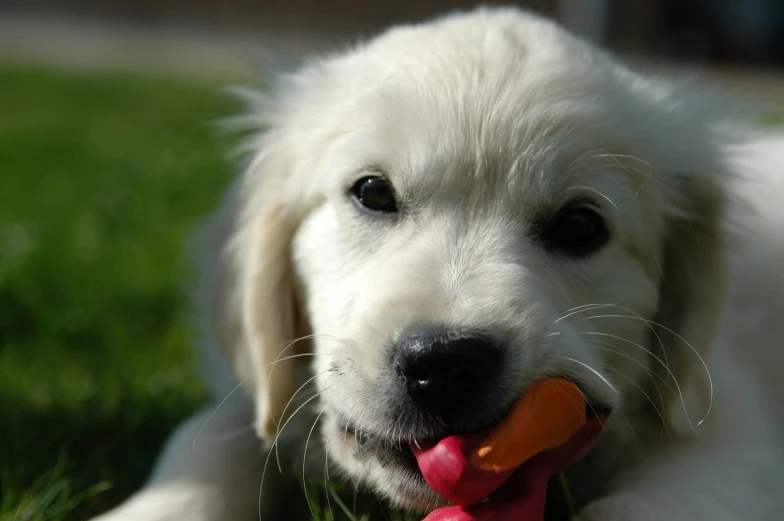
{"points": [[772, 119], [102, 177]]}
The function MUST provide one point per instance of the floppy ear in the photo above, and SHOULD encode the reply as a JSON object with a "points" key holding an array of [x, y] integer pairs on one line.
{"points": [[247, 282], [691, 293]]}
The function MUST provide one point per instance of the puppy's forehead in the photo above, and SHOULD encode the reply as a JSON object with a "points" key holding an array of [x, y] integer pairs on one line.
{"points": [[503, 110], [507, 129]]}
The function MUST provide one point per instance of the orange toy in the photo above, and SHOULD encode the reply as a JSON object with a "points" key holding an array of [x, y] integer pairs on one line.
{"points": [[546, 432], [550, 413]]}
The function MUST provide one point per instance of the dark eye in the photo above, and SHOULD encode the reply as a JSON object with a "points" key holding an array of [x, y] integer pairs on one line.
{"points": [[375, 193], [576, 231]]}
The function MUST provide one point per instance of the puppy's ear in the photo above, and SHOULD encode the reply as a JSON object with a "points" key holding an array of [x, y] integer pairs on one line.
{"points": [[247, 286], [691, 294]]}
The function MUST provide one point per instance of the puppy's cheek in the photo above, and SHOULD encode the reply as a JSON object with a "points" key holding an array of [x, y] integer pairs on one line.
{"points": [[321, 269], [399, 488], [341, 447]]}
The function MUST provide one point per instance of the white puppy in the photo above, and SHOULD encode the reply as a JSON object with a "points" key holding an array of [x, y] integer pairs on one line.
{"points": [[457, 209]]}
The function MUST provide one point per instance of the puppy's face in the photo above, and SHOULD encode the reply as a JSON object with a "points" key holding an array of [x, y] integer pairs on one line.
{"points": [[471, 205], [482, 226]]}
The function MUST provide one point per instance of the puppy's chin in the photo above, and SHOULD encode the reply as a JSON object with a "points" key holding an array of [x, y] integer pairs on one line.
{"points": [[381, 465]]}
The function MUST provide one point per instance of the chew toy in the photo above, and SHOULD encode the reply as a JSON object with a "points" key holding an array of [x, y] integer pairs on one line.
{"points": [[546, 431], [550, 413]]}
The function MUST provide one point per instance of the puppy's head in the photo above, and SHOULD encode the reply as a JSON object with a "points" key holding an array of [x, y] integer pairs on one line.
{"points": [[455, 211]]}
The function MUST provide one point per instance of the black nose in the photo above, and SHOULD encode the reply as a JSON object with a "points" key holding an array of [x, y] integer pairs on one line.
{"points": [[445, 371]]}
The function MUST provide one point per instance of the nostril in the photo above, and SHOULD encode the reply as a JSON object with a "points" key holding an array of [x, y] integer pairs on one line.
{"points": [[467, 379], [413, 372]]}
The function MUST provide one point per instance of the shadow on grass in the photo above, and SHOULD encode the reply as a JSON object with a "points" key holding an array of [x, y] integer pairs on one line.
{"points": [[53, 457], [103, 176]]}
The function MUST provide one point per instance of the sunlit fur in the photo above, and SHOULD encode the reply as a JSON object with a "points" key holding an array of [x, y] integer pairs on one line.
{"points": [[485, 123]]}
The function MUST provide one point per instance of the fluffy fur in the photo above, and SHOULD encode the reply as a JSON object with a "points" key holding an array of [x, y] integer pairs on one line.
{"points": [[485, 122]]}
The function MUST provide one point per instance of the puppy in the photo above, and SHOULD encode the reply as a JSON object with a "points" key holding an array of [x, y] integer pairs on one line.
{"points": [[436, 219]]}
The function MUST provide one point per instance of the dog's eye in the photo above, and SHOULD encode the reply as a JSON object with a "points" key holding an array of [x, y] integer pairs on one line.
{"points": [[375, 193], [576, 231]]}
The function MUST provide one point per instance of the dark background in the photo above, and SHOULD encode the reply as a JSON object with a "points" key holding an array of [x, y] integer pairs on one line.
{"points": [[715, 31]]}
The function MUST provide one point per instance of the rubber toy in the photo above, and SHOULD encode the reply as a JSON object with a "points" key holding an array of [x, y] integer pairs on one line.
{"points": [[503, 475]]}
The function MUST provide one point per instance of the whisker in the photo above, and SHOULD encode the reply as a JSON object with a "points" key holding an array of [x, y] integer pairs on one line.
{"points": [[635, 344], [585, 398], [573, 373], [326, 481], [228, 436], [615, 371], [648, 371], [298, 355], [596, 192], [305, 457], [679, 337], [594, 371], [568, 312], [275, 443], [215, 411], [649, 324], [278, 359], [612, 348], [356, 442], [300, 339], [283, 414], [649, 177], [290, 343], [348, 421], [584, 155], [675, 381], [557, 386]]}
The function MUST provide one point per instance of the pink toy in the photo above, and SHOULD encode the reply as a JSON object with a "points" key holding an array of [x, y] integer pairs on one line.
{"points": [[516, 491]]}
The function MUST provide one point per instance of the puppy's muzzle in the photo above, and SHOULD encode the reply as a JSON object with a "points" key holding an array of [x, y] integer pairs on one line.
{"points": [[446, 373]]}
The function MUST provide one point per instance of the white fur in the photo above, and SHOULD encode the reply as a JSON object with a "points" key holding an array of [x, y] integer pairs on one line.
{"points": [[483, 122]]}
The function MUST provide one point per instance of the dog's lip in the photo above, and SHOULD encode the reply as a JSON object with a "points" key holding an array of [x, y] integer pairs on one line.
{"points": [[593, 407], [364, 437], [401, 445], [383, 449]]}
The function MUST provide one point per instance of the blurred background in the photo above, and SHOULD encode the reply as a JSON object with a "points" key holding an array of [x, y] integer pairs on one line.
{"points": [[109, 154]]}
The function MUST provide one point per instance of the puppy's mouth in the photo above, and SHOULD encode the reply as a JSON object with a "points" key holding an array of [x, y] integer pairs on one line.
{"points": [[387, 451], [399, 453]]}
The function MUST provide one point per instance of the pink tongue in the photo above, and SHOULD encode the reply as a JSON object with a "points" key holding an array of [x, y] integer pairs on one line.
{"points": [[447, 469]]}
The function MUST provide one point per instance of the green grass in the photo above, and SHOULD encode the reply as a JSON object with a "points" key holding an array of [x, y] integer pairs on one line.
{"points": [[102, 177], [773, 119]]}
